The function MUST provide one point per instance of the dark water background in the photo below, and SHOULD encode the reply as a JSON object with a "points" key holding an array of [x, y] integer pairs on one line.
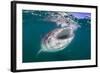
{"points": [[35, 29]]}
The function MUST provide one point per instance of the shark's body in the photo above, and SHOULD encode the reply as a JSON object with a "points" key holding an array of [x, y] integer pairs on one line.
{"points": [[57, 40]]}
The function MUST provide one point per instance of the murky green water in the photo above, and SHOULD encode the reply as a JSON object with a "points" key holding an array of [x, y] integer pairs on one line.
{"points": [[34, 29]]}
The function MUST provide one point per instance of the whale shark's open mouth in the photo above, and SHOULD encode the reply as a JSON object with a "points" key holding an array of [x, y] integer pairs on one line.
{"points": [[65, 34]]}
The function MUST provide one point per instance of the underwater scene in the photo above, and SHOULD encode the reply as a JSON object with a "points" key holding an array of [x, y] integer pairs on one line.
{"points": [[55, 36]]}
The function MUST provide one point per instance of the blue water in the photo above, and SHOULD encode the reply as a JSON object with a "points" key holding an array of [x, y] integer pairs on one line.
{"points": [[34, 29]]}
